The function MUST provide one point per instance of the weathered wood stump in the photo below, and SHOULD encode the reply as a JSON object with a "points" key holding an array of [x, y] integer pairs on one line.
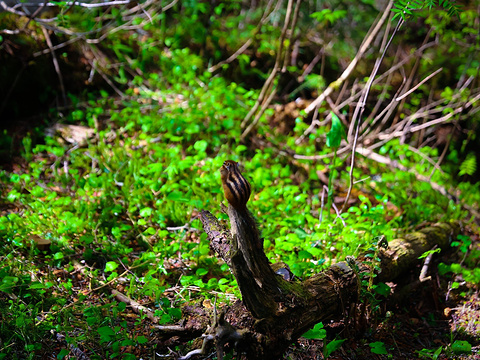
{"points": [[275, 312]]}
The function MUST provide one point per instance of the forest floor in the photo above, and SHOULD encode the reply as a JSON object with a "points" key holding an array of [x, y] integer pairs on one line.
{"points": [[413, 323]]}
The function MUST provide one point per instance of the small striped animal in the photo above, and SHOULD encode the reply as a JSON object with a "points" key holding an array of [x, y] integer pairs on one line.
{"points": [[236, 188]]}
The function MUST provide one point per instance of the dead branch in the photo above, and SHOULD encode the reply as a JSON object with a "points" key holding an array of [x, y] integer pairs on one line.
{"points": [[269, 82], [359, 111], [418, 85], [423, 273], [288, 50], [55, 64], [136, 307], [361, 51], [263, 20], [395, 164]]}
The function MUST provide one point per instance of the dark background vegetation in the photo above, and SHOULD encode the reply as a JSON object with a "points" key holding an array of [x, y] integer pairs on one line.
{"points": [[116, 118]]}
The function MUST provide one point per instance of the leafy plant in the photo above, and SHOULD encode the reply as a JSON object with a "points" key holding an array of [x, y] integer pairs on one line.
{"points": [[378, 348], [318, 333], [458, 347], [469, 165], [405, 9], [469, 273]]}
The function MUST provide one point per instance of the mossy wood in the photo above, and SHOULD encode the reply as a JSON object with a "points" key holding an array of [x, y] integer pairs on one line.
{"points": [[280, 311]]}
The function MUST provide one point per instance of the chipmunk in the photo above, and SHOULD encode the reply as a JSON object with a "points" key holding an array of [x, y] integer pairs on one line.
{"points": [[243, 226], [236, 188]]}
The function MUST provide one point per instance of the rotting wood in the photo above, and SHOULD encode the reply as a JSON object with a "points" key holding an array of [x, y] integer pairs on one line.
{"points": [[302, 304]]}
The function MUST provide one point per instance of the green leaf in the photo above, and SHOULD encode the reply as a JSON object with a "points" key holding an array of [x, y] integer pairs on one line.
{"points": [[302, 234], [178, 196], [20, 321], [111, 266], [175, 313], [444, 268], [106, 333], [333, 346], [61, 355], [165, 318], [121, 306], [146, 211], [304, 254], [382, 289], [37, 285], [240, 149], [8, 282], [15, 178], [437, 353], [128, 342], [469, 165], [336, 133], [201, 272], [317, 332], [142, 339], [461, 347], [86, 239], [378, 348], [426, 253], [200, 145]]}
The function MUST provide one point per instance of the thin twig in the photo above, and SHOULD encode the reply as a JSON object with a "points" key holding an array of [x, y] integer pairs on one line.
{"points": [[323, 156], [76, 3], [55, 65], [288, 50], [136, 306], [435, 164], [232, 57], [259, 114], [418, 85], [409, 81], [107, 80], [312, 64], [437, 121], [322, 204], [423, 273], [56, 47], [388, 109], [442, 156], [313, 124], [395, 164]]}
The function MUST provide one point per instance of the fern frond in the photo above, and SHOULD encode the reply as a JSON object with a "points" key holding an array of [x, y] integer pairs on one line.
{"points": [[469, 165]]}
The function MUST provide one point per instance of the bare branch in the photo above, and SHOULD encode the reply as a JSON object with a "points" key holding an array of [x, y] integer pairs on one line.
{"points": [[245, 46], [136, 307], [55, 64], [288, 51], [359, 111], [418, 85], [395, 164], [268, 84], [75, 3], [363, 48]]}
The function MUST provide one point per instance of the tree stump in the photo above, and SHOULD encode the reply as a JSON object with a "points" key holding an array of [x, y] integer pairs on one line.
{"points": [[275, 312]]}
